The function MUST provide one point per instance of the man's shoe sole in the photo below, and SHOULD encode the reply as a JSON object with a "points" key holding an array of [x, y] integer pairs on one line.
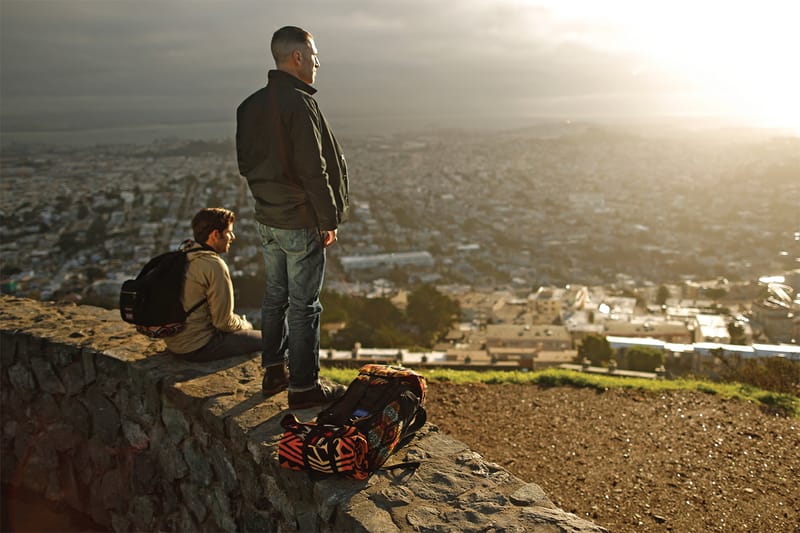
{"points": [[274, 390]]}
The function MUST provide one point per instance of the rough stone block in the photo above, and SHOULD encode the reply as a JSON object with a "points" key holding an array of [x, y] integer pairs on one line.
{"points": [[8, 349], [169, 497], [71, 491], [200, 434], [59, 354], [33, 475], [63, 436], [120, 523], [395, 495], [152, 402], [530, 494], [43, 452], [254, 521], [157, 435], [99, 455], [72, 378], [44, 409], [115, 492], [84, 467], [186, 521], [220, 507], [424, 517], [53, 491], [74, 413], [21, 379], [27, 344], [142, 512], [135, 435], [367, 517], [222, 466], [104, 414], [192, 499], [89, 368], [197, 461], [9, 431], [175, 422], [171, 462], [144, 473], [278, 499], [8, 465], [110, 364], [247, 473], [46, 376], [482, 501]]}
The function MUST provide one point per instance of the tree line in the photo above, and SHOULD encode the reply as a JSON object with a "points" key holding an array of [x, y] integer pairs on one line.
{"points": [[377, 322]]}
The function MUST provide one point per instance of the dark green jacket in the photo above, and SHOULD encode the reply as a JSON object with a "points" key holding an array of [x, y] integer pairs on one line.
{"points": [[292, 161]]}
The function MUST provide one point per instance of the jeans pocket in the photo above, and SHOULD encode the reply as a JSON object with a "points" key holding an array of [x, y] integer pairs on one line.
{"points": [[296, 241]]}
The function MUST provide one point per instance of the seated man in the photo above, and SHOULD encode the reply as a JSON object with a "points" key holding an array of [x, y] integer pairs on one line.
{"points": [[212, 331]]}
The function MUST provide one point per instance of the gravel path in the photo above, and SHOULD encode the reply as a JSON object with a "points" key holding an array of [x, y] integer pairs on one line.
{"points": [[632, 461]]}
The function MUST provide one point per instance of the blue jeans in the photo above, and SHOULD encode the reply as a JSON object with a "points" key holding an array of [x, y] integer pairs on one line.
{"points": [[294, 263], [224, 345]]}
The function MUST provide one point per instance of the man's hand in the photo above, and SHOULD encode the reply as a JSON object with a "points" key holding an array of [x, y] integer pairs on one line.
{"points": [[328, 237]]}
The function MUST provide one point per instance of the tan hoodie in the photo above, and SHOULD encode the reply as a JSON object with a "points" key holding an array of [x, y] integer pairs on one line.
{"points": [[207, 276]]}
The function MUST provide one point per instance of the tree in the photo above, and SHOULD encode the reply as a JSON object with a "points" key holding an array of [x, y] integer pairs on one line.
{"points": [[249, 291], [431, 312], [716, 293], [662, 295], [596, 349], [737, 333], [336, 306], [644, 358], [379, 312]]}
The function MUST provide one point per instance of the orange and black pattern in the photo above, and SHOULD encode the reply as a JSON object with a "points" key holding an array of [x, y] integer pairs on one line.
{"points": [[159, 332], [322, 448], [387, 373], [379, 413]]}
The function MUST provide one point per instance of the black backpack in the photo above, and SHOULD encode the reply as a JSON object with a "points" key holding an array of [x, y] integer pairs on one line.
{"points": [[152, 301]]}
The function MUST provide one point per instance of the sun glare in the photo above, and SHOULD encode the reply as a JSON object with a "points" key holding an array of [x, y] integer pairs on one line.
{"points": [[737, 58]]}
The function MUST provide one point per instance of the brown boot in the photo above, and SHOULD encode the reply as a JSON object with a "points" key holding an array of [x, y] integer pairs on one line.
{"points": [[276, 379], [320, 395]]}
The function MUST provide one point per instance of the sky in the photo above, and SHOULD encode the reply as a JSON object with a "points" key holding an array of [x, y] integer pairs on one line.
{"points": [[76, 64]]}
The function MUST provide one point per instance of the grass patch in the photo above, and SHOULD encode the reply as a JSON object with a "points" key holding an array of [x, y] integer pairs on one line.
{"points": [[784, 404]]}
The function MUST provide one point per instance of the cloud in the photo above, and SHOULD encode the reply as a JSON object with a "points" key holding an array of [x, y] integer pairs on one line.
{"points": [[180, 60]]}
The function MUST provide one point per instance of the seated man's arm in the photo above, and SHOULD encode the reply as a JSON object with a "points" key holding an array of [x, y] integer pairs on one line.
{"points": [[220, 302]]}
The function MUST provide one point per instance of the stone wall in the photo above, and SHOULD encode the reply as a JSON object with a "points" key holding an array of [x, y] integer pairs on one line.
{"points": [[104, 420]]}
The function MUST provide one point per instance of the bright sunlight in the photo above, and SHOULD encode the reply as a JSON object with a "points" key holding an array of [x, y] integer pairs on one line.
{"points": [[736, 59]]}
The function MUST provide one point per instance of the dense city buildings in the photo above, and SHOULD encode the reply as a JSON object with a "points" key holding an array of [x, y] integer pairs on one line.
{"points": [[589, 230]]}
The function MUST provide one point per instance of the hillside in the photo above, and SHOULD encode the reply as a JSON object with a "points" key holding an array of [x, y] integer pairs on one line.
{"points": [[633, 461]]}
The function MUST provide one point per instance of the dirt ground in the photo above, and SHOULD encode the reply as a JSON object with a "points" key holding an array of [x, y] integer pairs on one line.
{"points": [[633, 461]]}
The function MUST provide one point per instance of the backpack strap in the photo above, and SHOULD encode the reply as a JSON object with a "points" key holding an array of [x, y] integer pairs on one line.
{"points": [[187, 247], [404, 464], [196, 306]]}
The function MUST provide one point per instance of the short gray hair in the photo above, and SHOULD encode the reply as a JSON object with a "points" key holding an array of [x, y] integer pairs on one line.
{"points": [[286, 40]]}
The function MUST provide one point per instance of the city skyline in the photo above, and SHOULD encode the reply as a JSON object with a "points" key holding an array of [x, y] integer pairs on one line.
{"points": [[86, 64]]}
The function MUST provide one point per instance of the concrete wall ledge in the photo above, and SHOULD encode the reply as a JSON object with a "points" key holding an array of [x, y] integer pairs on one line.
{"points": [[101, 418]]}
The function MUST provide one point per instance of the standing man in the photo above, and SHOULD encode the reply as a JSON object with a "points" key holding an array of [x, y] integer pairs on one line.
{"points": [[213, 330], [298, 177]]}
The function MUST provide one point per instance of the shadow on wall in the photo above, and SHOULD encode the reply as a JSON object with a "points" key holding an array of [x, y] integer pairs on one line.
{"points": [[24, 510]]}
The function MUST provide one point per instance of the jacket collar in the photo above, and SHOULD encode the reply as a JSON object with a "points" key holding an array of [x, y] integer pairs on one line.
{"points": [[279, 76], [193, 246]]}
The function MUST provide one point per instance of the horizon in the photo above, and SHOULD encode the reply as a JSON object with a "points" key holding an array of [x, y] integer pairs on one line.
{"points": [[87, 65]]}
